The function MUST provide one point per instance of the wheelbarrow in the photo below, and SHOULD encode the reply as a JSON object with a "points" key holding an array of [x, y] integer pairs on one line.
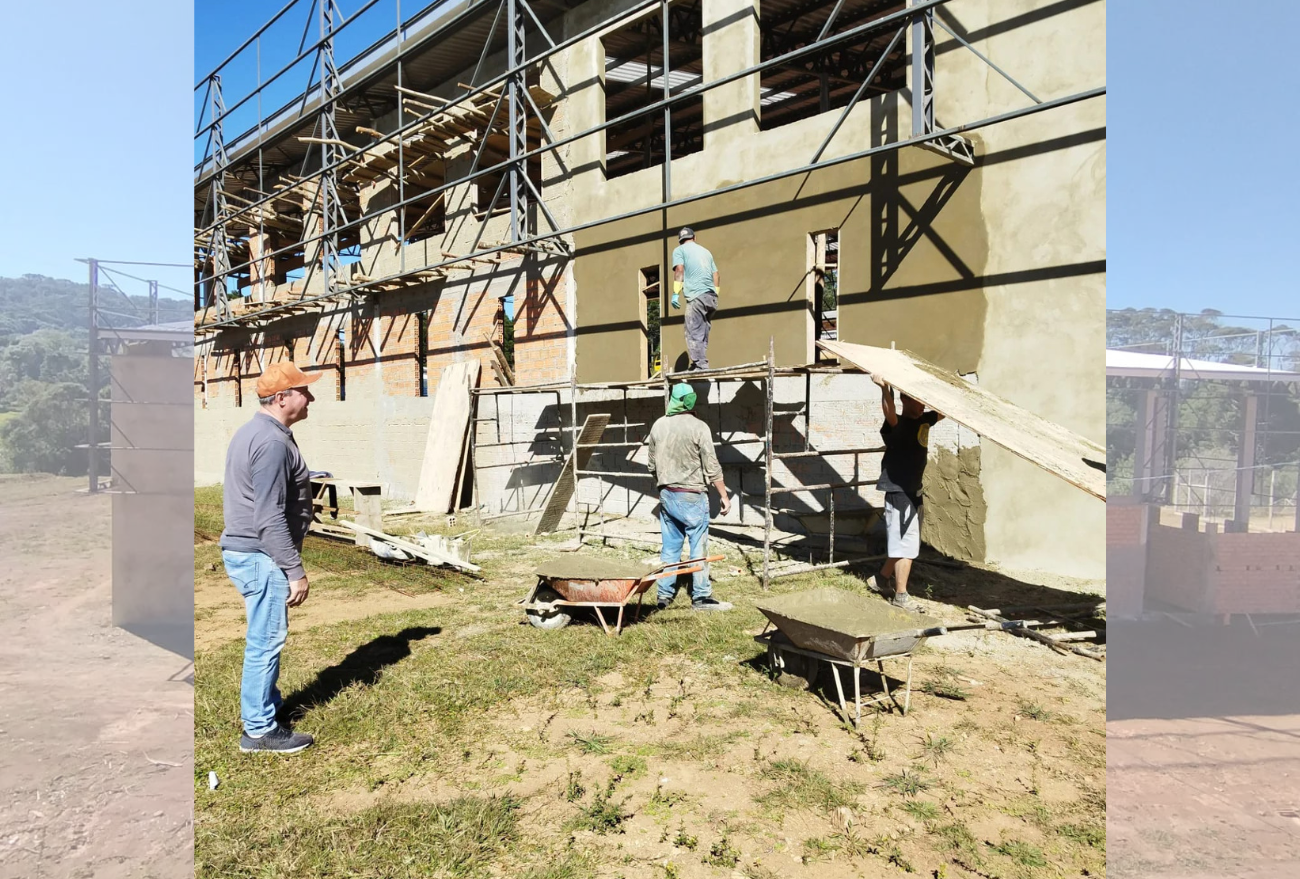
{"points": [[850, 631], [597, 584]]}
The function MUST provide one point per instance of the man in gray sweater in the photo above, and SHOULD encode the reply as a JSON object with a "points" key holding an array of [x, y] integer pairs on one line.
{"points": [[267, 503]]}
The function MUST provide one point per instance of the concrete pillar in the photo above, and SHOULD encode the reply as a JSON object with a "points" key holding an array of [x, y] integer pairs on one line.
{"points": [[379, 235], [1246, 463], [260, 268], [731, 43]]}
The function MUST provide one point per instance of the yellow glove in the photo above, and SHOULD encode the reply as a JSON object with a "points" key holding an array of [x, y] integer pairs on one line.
{"points": [[677, 287], [717, 288]]}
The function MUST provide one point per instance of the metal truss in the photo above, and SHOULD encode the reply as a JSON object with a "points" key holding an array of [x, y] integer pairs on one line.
{"points": [[106, 336], [510, 90]]}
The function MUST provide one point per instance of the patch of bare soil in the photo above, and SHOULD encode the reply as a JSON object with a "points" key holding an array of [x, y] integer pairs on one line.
{"points": [[96, 725], [219, 609], [1203, 752]]}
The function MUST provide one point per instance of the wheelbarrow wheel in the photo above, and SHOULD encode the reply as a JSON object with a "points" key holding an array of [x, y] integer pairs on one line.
{"points": [[553, 619]]}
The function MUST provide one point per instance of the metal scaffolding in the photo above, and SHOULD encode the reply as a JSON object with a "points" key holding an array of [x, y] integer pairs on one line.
{"points": [[115, 320], [334, 218], [765, 372]]}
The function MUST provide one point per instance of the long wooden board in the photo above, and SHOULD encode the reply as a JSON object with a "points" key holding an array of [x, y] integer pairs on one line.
{"points": [[562, 491], [1078, 461], [448, 431]]}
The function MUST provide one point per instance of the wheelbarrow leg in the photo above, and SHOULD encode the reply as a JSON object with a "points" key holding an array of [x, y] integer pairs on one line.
{"points": [[601, 617], [884, 682], [907, 695], [839, 689], [621, 608], [857, 693]]}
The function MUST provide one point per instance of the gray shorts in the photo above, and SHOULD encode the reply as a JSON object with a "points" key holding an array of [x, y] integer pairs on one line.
{"points": [[902, 527]]}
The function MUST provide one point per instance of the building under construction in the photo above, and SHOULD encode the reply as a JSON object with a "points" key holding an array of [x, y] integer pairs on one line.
{"points": [[501, 183]]}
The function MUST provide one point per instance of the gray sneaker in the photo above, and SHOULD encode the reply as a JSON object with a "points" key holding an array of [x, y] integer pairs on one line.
{"points": [[710, 604], [881, 584], [278, 741], [905, 602]]}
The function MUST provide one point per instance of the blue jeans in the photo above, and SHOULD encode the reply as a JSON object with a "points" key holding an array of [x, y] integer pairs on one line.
{"points": [[266, 591], [684, 517]]}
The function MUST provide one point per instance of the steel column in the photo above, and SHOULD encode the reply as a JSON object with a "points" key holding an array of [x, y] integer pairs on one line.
{"points": [[92, 364]]}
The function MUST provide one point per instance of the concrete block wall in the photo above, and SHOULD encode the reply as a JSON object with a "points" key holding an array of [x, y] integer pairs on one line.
{"points": [[533, 427], [152, 434], [1178, 566]]}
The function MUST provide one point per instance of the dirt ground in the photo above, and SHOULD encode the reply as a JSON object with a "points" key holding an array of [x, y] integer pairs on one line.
{"points": [[1203, 752], [96, 725], [686, 760]]}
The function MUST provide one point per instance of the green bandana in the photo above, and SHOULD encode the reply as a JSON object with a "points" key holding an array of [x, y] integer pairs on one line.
{"points": [[682, 400]]}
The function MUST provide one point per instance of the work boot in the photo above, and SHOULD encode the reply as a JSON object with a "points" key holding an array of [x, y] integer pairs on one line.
{"points": [[278, 741], [710, 604]]}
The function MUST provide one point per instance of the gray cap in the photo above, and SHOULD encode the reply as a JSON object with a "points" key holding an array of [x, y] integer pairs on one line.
{"points": [[687, 232]]}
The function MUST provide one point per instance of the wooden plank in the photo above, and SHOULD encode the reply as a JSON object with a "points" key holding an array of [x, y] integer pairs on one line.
{"points": [[413, 548], [448, 430], [562, 490], [1059, 451]]}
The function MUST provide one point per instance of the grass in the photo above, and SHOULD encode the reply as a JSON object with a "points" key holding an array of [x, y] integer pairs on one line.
{"points": [[592, 743], [1022, 853], [798, 786], [602, 814], [420, 716], [461, 837], [909, 784], [1033, 710], [921, 810]]}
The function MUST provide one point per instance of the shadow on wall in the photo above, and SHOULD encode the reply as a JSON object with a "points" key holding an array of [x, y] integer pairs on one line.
{"points": [[741, 417], [1171, 671]]}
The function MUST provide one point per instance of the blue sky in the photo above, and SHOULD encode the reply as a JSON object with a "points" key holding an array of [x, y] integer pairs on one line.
{"points": [[96, 107], [1201, 194], [1202, 191], [222, 27]]}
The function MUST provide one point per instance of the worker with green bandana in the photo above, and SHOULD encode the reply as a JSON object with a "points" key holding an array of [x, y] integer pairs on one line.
{"points": [[684, 464]]}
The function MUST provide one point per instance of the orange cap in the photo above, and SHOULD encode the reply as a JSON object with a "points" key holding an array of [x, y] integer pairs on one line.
{"points": [[281, 376]]}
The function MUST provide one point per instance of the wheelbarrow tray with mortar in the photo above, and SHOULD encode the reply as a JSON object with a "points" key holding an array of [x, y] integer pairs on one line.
{"points": [[848, 630], [596, 583]]}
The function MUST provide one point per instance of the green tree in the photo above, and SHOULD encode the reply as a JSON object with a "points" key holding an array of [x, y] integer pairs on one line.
{"points": [[45, 356], [43, 437]]}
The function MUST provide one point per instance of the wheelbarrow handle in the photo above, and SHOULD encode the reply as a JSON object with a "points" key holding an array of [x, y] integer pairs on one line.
{"points": [[662, 570]]}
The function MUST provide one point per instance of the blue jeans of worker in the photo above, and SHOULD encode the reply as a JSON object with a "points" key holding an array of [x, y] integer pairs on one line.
{"points": [[265, 590], [684, 518]]}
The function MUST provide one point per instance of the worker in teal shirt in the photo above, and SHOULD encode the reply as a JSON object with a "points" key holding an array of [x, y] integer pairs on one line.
{"points": [[696, 275]]}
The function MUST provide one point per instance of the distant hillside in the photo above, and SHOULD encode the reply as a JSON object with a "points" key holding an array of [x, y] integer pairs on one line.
{"points": [[35, 302]]}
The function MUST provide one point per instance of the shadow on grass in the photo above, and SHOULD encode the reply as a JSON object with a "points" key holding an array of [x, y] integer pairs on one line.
{"points": [[363, 665]]}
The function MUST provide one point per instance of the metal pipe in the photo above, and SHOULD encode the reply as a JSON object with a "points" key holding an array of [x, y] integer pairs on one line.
{"points": [[780, 175], [804, 569], [684, 95], [767, 462], [802, 488], [811, 453], [92, 363]]}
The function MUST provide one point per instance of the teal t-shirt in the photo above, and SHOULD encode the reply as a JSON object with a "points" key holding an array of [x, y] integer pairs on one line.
{"points": [[697, 269]]}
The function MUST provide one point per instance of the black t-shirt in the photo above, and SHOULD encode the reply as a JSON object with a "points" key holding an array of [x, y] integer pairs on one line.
{"points": [[907, 445]]}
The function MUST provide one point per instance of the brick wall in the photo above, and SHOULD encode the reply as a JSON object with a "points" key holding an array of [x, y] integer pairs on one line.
{"points": [[542, 327], [1126, 557], [1256, 573]]}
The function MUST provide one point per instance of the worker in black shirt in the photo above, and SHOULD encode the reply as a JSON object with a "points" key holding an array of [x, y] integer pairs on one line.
{"points": [[907, 442]]}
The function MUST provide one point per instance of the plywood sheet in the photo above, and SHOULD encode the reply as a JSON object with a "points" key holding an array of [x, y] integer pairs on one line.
{"points": [[562, 491], [1078, 461], [448, 430]]}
